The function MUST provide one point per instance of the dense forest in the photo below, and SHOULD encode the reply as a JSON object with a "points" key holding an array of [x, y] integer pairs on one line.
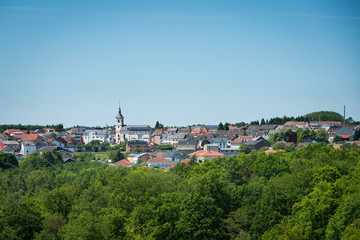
{"points": [[311, 193]]}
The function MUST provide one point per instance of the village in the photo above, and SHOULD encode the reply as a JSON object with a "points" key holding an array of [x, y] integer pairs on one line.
{"points": [[164, 147]]}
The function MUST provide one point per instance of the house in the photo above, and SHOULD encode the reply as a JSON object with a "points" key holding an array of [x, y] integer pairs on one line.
{"points": [[231, 151], [135, 157], [221, 142], [172, 138], [6, 149], [123, 163], [211, 147], [132, 145], [99, 135], [201, 154], [187, 146], [174, 156], [258, 144], [13, 144], [34, 138], [27, 147], [65, 153], [77, 133], [14, 132], [346, 133], [159, 161], [59, 142]]}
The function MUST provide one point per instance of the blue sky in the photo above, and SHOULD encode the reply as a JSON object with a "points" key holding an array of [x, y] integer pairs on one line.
{"points": [[178, 62]]}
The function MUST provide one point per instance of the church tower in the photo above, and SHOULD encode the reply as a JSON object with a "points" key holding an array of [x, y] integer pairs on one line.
{"points": [[119, 124]]}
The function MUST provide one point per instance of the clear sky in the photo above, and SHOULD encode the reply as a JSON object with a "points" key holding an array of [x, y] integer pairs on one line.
{"points": [[178, 62]]}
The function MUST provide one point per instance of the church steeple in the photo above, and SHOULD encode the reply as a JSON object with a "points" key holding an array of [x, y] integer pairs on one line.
{"points": [[120, 118], [119, 124]]}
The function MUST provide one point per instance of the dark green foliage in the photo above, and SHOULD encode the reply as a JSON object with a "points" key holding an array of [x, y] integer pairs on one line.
{"points": [[116, 156], [7, 160], [310, 193], [220, 126], [244, 148], [357, 134], [323, 116], [58, 127], [158, 125], [44, 159]]}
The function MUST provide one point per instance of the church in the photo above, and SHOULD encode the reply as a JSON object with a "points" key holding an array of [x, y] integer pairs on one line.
{"points": [[131, 132]]}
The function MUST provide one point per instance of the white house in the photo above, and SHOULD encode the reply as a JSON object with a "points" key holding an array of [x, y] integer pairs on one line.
{"points": [[27, 148], [100, 135]]}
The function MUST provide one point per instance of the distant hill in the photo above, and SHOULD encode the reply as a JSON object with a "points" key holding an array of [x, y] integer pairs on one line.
{"points": [[323, 116]]}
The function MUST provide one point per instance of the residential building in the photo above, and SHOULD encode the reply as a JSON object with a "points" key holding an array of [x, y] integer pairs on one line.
{"points": [[135, 157], [159, 161], [99, 135], [6, 149], [132, 145], [221, 142], [123, 163], [202, 155], [174, 156]]}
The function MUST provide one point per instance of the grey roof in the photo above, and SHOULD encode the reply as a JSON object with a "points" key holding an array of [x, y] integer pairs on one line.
{"points": [[129, 128], [97, 131], [137, 142], [345, 131], [187, 142], [219, 140], [10, 143], [173, 154], [211, 127]]}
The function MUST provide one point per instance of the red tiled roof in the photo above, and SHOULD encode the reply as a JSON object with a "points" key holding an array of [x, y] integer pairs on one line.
{"points": [[185, 161], [2, 147], [302, 144], [231, 127], [29, 137], [242, 138], [288, 144], [8, 131], [195, 132], [345, 136], [295, 123], [123, 163], [273, 151], [159, 159], [208, 153]]}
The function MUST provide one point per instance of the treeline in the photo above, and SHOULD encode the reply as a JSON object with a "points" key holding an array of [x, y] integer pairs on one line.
{"points": [[299, 135], [311, 193], [310, 117], [58, 127]]}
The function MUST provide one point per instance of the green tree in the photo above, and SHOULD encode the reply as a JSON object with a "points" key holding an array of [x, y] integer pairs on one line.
{"points": [[199, 218], [244, 148], [226, 126], [53, 135], [357, 134], [321, 135], [116, 155], [220, 126], [7, 160], [337, 139], [262, 122]]}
